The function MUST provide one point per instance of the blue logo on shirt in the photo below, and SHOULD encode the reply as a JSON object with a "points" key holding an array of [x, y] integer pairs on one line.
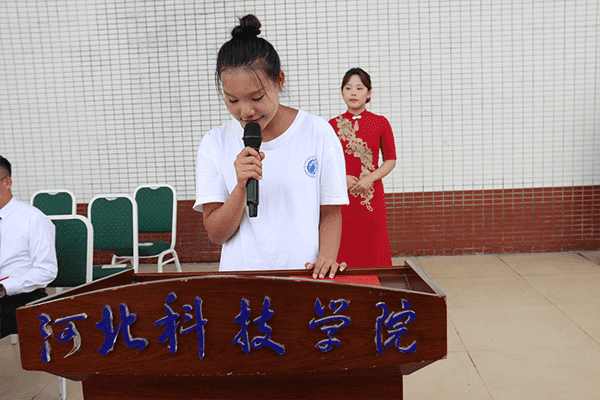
{"points": [[311, 166]]}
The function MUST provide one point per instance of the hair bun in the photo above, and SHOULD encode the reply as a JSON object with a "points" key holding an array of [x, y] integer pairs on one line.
{"points": [[248, 28]]}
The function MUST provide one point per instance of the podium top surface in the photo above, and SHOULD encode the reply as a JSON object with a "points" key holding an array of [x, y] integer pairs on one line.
{"points": [[236, 323], [407, 277]]}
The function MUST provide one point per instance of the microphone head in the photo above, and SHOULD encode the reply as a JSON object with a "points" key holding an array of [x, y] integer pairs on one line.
{"points": [[252, 135]]}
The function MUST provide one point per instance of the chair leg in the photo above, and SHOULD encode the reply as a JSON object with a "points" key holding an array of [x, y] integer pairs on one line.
{"points": [[161, 261], [177, 265], [14, 339], [62, 388]]}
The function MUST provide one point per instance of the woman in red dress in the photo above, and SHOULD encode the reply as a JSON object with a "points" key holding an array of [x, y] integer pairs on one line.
{"points": [[363, 134]]}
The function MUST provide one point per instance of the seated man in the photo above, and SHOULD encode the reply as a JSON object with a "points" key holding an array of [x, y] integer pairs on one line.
{"points": [[27, 253]]}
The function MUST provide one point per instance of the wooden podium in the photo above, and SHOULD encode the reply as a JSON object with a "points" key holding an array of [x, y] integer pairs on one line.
{"points": [[239, 335]]}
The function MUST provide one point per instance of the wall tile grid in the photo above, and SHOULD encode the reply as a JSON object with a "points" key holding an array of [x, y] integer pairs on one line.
{"points": [[108, 95]]}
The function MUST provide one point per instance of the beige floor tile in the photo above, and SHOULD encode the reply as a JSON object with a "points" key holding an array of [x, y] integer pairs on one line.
{"points": [[567, 289], [15, 383], [517, 328], [586, 316], [23, 385], [464, 266], [454, 341], [51, 392], [489, 292], [186, 267], [540, 374], [201, 267], [593, 256], [550, 263], [454, 378], [400, 261]]}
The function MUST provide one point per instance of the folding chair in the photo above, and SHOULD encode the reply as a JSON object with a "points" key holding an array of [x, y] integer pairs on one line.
{"points": [[55, 202], [75, 255], [114, 218], [157, 213], [74, 250]]}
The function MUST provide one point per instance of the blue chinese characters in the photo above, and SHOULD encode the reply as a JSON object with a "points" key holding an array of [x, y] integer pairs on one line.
{"points": [[331, 317], [337, 306], [171, 322], [258, 341], [396, 324], [110, 333], [68, 333]]}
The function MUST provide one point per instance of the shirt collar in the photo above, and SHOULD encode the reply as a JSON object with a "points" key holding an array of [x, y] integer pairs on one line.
{"points": [[349, 115], [237, 127], [8, 208]]}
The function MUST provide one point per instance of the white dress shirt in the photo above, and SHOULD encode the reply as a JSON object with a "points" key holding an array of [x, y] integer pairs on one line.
{"points": [[27, 250]]}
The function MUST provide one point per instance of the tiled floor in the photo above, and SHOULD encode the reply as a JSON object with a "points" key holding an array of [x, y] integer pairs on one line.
{"points": [[520, 327]]}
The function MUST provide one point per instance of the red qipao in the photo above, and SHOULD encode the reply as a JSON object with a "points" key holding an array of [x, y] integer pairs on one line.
{"points": [[365, 240]]}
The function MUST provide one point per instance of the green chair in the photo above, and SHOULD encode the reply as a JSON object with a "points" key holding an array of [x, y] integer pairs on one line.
{"points": [[157, 213], [74, 250], [114, 218], [55, 202], [74, 242]]}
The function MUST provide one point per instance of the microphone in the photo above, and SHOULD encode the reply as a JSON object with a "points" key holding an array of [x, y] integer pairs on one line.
{"points": [[252, 138]]}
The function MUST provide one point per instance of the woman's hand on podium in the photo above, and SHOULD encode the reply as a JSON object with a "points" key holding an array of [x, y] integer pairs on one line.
{"points": [[323, 266]]}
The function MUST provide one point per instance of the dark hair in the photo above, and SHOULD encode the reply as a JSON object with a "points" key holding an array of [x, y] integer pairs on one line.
{"points": [[247, 50], [5, 165], [362, 74]]}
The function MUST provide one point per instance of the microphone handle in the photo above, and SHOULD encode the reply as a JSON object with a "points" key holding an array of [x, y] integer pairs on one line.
{"points": [[252, 194], [252, 197]]}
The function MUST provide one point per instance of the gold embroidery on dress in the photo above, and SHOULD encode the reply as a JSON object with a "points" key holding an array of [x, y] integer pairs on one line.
{"points": [[358, 148]]}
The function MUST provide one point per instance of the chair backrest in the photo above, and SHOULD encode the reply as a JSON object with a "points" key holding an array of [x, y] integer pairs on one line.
{"points": [[114, 218], [55, 202], [74, 250], [157, 209]]}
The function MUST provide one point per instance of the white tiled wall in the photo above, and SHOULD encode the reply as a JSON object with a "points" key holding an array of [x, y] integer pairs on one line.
{"points": [[101, 96]]}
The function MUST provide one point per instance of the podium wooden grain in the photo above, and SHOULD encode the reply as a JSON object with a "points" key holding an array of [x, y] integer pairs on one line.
{"points": [[356, 368]]}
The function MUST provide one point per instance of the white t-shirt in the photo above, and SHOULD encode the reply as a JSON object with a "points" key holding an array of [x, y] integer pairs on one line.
{"points": [[303, 169]]}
